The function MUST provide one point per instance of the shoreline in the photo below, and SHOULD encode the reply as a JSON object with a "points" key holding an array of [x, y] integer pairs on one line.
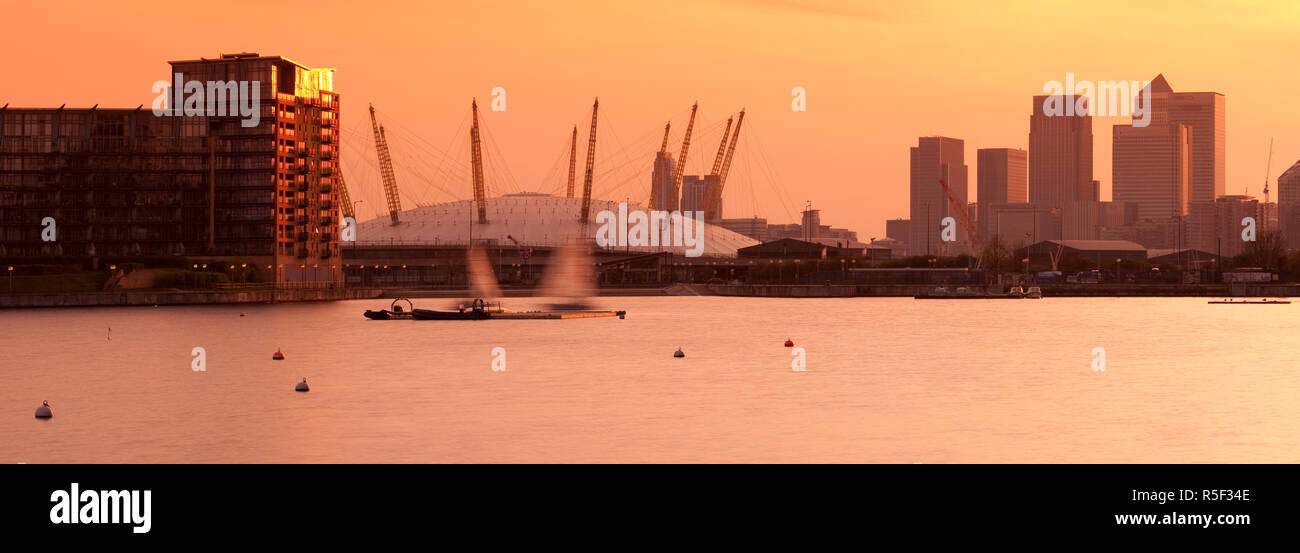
{"points": [[229, 297]]}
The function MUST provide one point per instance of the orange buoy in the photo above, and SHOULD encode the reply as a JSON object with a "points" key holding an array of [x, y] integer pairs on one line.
{"points": [[278, 355], [789, 343]]}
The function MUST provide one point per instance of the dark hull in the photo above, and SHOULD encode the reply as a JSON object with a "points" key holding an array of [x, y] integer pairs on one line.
{"points": [[386, 315], [431, 315]]}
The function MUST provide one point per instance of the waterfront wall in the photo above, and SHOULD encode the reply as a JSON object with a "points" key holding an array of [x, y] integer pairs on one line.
{"points": [[1269, 290], [92, 299]]}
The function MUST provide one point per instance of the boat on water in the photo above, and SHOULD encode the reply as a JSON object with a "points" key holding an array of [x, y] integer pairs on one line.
{"points": [[395, 311], [964, 293], [1034, 293], [1249, 302]]}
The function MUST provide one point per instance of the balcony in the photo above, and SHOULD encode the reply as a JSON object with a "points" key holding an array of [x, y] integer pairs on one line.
{"points": [[301, 204], [327, 155], [327, 221], [326, 171], [326, 188], [302, 237], [302, 169], [300, 185], [301, 252], [327, 139], [326, 204], [325, 253]]}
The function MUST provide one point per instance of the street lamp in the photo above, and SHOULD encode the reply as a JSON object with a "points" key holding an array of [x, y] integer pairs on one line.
{"points": [[1117, 260], [11, 279]]}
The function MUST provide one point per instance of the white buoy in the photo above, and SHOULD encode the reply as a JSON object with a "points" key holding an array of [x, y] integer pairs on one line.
{"points": [[302, 386], [679, 353], [43, 412]]}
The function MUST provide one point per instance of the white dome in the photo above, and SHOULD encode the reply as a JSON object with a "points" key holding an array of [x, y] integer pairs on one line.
{"points": [[532, 219]]}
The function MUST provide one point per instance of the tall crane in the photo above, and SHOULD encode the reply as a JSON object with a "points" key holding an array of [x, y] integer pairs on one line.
{"points": [[591, 164], [731, 150], [1268, 169], [345, 203], [573, 159], [674, 201], [386, 168], [655, 174], [476, 159], [965, 219], [722, 149]]}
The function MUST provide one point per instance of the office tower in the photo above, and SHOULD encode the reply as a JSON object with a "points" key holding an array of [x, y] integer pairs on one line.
{"points": [[1002, 176], [661, 177], [694, 189], [932, 159], [1151, 167], [1060, 154], [1204, 115], [1288, 205], [1230, 212]]}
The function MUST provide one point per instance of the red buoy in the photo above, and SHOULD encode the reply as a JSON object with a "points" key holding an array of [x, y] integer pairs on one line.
{"points": [[789, 343], [278, 355]]}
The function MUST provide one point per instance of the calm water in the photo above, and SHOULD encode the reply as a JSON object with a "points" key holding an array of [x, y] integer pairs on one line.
{"points": [[887, 380]]}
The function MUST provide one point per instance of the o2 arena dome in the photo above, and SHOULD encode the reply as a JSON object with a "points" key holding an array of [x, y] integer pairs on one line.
{"points": [[533, 219]]}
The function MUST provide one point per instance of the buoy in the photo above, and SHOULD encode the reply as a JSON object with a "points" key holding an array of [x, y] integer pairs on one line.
{"points": [[241, 313], [789, 343], [679, 353], [278, 355], [43, 412], [302, 386]]}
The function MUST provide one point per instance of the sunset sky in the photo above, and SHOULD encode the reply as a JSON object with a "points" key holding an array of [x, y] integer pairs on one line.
{"points": [[877, 75]]}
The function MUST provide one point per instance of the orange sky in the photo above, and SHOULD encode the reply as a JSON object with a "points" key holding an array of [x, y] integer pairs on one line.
{"points": [[878, 75]]}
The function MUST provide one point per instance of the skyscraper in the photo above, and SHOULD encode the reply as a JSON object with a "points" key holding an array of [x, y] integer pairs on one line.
{"points": [[661, 178], [1288, 205], [1060, 154], [1002, 176], [1151, 167], [932, 159], [1204, 115]]}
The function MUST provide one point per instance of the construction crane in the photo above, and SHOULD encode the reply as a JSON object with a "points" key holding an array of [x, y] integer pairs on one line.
{"points": [[731, 151], [476, 159], [965, 219], [386, 168], [655, 175], [713, 201], [591, 164], [1268, 169], [673, 202], [573, 159], [345, 203], [722, 149]]}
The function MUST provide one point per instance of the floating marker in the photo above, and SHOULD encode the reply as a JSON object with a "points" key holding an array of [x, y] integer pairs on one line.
{"points": [[679, 353], [789, 343], [241, 313], [278, 355], [43, 412], [302, 386]]}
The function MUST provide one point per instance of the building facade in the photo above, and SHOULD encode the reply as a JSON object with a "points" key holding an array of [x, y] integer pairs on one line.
{"points": [[932, 159], [1060, 154], [127, 182], [1002, 176]]}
